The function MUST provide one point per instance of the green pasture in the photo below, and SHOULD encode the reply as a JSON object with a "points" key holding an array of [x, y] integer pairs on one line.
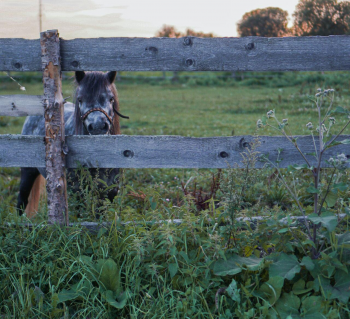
{"points": [[208, 108]]}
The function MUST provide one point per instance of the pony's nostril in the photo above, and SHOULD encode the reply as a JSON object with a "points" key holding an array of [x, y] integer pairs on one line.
{"points": [[105, 127], [90, 127]]}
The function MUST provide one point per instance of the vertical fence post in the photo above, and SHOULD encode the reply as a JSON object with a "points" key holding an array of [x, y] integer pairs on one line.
{"points": [[56, 183]]}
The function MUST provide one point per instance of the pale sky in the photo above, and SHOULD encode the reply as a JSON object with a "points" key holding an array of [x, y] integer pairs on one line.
{"points": [[126, 18]]}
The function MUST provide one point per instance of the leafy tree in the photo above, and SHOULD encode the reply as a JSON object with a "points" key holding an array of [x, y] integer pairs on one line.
{"points": [[168, 31], [192, 33], [268, 22], [321, 17]]}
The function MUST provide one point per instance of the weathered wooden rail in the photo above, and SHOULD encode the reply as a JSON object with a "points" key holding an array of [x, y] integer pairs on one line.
{"points": [[185, 54], [52, 55], [159, 151]]}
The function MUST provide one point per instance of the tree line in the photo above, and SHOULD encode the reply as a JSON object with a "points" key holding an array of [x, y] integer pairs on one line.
{"points": [[311, 18]]}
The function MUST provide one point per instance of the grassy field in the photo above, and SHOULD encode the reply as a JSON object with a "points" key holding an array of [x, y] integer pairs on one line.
{"points": [[201, 268], [198, 110]]}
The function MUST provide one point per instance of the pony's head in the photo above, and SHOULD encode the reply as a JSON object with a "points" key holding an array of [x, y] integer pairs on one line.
{"points": [[96, 103]]}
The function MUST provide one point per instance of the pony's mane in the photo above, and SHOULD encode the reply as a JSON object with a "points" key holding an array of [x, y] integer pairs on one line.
{"points": [[93, 84]]}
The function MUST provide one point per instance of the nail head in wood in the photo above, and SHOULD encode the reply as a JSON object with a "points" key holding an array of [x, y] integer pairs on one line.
{"points": [[75, 64], [250, 46], [18, 65], [152, 49], [128, 153], [245, 144], [187, 41], [189, 62], [223, 154]]}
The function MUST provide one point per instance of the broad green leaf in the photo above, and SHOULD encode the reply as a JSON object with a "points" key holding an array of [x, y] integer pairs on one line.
{"points": [[327, 219], [234, 265], [299, 287], [66, 295], [342, 286], [271, 290], [172, 269], [233, 291], [311, 307], [341, 289], [345, 142], [344, 240], [83, 288], [288, 305], [331, 262], [308, 263], [339, 110], [335, 143], [184, 256], [309, 242], [108, 274], [340, 186], [347, 211], [312, 190], [109, 296], [331, 199], [286, 266]]}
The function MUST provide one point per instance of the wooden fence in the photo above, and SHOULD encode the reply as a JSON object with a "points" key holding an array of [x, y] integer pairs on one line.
{"points": [[51, 55]]}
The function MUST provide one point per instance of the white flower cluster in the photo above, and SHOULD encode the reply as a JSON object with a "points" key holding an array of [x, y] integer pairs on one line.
{"points": [[324, 93], [270, 113], [339, 162]]}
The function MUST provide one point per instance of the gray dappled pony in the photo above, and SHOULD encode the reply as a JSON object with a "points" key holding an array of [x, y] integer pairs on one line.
{"points": [[95, 112]]}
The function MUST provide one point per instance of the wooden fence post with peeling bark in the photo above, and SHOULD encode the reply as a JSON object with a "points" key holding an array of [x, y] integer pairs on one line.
{"points": [[56, 184]]}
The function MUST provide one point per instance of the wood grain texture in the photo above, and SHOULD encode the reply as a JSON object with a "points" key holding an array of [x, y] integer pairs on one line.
{"points": [[158, 151], [21, 105], [185, 54], [208, 54], [20, 55], [56, 183]]}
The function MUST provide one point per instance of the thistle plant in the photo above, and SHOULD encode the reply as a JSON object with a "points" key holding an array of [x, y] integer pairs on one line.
{"points": [[326, 184]]}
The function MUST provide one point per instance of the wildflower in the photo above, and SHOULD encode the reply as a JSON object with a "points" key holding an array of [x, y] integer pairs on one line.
{"points": [[319, 90], [259, 123], [331, 120], [270, 113], [285, 121], [309, 126], [339, 162], [22, 88], [318, 94], [342, 158], [167, 199]]}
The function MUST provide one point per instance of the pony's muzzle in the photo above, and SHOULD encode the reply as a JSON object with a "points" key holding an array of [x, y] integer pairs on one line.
{"points": [[100, 126]]}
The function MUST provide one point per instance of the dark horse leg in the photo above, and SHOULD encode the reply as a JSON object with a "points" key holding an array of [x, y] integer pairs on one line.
{"points": [[28, 176]]}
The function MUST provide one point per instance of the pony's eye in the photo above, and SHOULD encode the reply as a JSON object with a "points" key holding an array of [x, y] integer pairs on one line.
{"points": [[80, 101], [112, 100]]}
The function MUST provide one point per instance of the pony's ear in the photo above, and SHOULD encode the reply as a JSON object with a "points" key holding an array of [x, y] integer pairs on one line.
{"points": [[111, 76], [79, 75]]}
